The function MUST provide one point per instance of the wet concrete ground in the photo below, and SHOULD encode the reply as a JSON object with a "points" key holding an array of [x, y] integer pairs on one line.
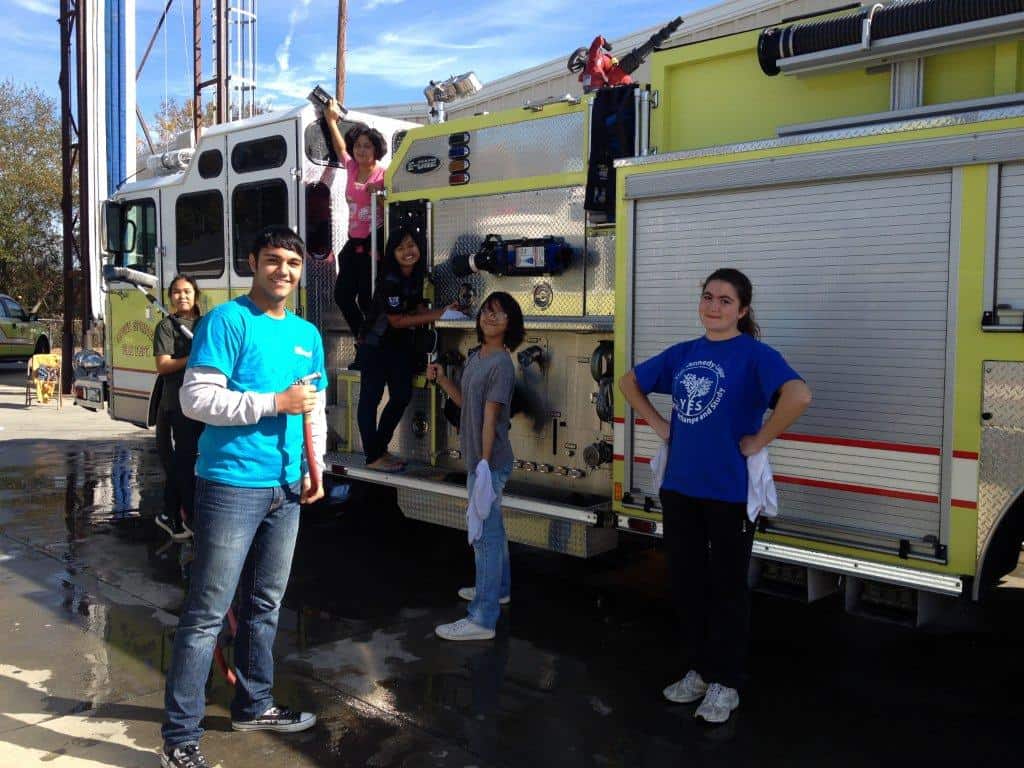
{"points": [[90, 595]]}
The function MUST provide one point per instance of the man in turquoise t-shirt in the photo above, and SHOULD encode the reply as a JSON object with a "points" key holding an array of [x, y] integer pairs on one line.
{"points": [[242, 382]]}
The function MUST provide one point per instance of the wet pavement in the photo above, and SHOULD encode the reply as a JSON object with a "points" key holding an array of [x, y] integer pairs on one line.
{"points": [[89, 593]]}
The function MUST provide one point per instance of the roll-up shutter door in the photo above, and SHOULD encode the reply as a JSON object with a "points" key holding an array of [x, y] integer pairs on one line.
{"points": [[1010, 258], [851, 283]]}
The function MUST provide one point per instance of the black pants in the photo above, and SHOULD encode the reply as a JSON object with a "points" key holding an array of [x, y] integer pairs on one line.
{"points": [[353, 291], [708, 544], [390, 366], [178, 446]]}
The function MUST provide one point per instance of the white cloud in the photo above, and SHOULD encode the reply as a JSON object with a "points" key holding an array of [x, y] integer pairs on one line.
{"points": [[293, 86], [399, 67], [283, 52], [392, 39], [17, 36], [412, 56], [49, 7], [492, 38]]}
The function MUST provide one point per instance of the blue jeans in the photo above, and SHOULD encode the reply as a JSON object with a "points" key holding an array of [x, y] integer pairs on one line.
{"points": [[490, 551], [244, 538]]}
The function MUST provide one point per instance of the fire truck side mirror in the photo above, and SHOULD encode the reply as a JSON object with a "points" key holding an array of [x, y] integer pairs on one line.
{"points": [[120, 231]]}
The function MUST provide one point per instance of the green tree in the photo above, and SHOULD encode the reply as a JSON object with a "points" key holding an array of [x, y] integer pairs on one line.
{"points": [[30, 188], [174, 118]]}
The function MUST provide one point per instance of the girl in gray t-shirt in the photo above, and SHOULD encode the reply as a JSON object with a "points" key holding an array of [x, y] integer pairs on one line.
{"points": [[485, 397]]}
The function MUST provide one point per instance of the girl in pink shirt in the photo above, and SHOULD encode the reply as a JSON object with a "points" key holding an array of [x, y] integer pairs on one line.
{"points": [[360, 150]]}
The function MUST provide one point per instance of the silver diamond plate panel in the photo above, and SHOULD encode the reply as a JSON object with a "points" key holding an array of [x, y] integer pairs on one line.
{"points": [[339, 351], [852, 132], [322, 271], [1001, 464], [1003, 394], [459, 226], [320, 276], [600, 277], [538, 147], [563, 536]]}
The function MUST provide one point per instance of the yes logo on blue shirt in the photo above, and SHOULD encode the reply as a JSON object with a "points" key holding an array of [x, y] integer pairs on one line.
{"points": [[704, 458], [697, 390]]}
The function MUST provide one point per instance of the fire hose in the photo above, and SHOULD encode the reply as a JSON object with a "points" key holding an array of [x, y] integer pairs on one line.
{"points": [[315, 476]]}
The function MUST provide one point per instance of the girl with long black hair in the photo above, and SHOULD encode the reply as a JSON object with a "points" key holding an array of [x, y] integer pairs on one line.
{"points": [[388, 343], [177, 436]]}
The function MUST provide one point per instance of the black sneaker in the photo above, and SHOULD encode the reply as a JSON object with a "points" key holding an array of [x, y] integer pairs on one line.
{"points": [[280, 719], [183, 756], [174, 526]]}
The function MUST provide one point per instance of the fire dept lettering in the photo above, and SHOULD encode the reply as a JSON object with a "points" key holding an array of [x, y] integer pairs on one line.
{"points": [[698, 388], [135, 339]]}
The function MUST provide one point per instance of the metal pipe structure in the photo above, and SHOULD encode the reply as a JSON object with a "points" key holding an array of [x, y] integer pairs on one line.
{"points": [[197, 69], [374, 202], [69, 150], [242, 72], [254, 53], [234, 57], [152, 39], [84, 199], [221, 48]]}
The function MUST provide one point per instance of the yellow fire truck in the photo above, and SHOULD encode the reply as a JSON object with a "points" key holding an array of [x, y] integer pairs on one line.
{"points": [[868, 176]]}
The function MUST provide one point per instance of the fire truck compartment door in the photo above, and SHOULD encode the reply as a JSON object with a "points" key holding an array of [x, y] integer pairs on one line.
{"points": [[851, 284]]}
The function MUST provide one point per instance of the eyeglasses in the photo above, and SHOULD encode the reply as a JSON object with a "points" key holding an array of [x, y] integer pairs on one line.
{"points": [[493, 315]]}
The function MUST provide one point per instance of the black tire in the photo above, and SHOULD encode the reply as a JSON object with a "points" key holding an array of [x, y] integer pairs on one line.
{"points": [[42, 346]]}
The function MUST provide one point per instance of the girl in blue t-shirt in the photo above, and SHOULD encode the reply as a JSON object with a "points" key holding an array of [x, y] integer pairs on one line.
{"points": [[721, 385]]}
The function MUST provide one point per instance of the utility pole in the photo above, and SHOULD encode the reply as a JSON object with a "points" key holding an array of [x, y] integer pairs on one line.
{"points": [[339, 85]]}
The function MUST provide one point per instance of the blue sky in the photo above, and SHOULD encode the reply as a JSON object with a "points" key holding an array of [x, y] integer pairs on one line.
{"points": [[394, 46]]}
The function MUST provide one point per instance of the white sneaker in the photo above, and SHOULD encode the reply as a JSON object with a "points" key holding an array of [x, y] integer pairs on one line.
{"points": [[464, 629], [689, 689], [469, 594], [718, 704]]}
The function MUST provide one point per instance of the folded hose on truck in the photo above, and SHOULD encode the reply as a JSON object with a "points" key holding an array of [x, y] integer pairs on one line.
{"points": [[902, 17], [601, 370]]}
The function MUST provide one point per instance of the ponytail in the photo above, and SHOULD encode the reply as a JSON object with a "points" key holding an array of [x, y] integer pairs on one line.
{"points": [[748, 324]]}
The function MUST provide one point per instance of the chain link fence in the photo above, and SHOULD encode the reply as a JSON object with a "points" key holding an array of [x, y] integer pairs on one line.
{"points": [[55, 332]]}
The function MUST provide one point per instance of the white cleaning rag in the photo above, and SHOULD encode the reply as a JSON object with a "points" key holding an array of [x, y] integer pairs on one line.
{"points": [[658, 464], [480, 501], [761, 496]]}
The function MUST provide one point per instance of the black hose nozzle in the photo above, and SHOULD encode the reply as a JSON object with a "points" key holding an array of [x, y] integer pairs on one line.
{"points": [[632, 60]]}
